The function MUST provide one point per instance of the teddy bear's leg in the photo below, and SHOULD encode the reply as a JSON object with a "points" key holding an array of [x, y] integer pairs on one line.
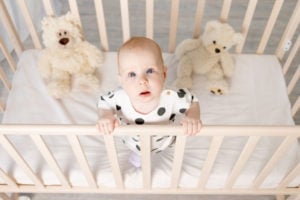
{"points": [[60, 85], [218, 87], [85, 83], [228, 65], [184, 73]]}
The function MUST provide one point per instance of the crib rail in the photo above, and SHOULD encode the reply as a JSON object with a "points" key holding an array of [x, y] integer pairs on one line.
{"points": [[218, 134]]}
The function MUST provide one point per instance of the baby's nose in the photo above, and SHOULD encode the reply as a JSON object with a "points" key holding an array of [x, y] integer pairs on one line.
{"points": [[143, 80]]}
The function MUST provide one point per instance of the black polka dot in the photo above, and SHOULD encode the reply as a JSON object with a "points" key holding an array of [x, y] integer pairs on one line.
{"points": [[172, 117], [135, 139], [111, 95], [102, 99], [182, 110], [181, 93], [161, 111], [160, 139], [118, 107], [139, 121], [138, 147]]}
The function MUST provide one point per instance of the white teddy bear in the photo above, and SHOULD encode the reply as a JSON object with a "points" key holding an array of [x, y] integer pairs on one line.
{"points": [[209, 56], [68, 62]]}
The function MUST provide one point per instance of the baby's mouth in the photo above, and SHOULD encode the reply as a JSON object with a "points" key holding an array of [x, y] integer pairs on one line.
{"points": [[145, 93]]}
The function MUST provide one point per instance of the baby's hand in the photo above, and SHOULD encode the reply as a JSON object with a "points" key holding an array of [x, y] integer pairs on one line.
{"points": [[107, 125], [191, 125]]}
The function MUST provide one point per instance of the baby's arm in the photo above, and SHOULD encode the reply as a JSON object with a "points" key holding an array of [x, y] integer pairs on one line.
{"points": [[107, 121], [191, 122]]}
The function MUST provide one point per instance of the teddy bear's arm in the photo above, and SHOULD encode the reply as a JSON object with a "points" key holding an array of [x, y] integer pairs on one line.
{"points": [[227, 63], [186, 46], [94, 55]]}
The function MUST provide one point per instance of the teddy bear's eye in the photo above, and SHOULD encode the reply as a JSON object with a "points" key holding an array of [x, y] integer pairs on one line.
{"points": [[214, 42], [224, 47], [59, 34], [65, 32]]}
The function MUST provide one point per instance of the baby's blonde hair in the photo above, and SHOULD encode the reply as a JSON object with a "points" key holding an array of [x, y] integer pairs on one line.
{"points": [[142, 43]]}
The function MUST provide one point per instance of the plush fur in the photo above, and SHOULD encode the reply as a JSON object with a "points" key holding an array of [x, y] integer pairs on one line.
{"points": [[68, 62], [208, 55]]}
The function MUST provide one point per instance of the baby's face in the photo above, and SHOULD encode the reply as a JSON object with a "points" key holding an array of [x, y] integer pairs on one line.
{"points": [[142, 76]]}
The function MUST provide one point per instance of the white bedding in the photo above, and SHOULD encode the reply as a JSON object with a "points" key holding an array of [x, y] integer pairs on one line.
{"points": [[258, 97]]}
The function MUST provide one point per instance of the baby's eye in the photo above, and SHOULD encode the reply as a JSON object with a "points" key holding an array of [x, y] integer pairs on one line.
{"points": [[150, 71], [131, 74]]}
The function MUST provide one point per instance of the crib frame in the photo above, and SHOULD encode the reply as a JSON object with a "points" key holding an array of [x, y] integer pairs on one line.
{"points": [[218, 133]]}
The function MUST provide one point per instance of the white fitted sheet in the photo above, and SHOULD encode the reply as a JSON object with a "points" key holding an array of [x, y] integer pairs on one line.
{"points": [[258, 97]]}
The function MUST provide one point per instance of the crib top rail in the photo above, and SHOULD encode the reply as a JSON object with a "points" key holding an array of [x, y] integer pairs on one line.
{"points": [[131, 130]]}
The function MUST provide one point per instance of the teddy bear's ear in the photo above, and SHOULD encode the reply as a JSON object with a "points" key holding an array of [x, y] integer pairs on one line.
{"points": [[71, 18], [46, 21], [238, 38], [212, 25]]}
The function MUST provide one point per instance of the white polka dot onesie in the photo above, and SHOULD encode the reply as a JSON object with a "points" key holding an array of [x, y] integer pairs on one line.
{"points": [[172, 104]]}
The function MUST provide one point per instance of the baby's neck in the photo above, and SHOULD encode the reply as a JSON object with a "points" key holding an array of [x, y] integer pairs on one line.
{"points": [[145, 108]]}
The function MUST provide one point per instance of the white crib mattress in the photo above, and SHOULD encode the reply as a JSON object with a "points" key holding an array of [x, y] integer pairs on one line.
{"points": [[258, 96]]}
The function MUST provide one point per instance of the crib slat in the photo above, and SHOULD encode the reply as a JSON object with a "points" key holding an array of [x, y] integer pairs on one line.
{"points": [[243, 158], [113, 159], [296, 106], [198, 18], [2, 107], [292, 174], [246, 24], [7, 55], [74, 9], [101, 25], [173, 25], [272, 162], [8, 180], [225, 10], [291, 56], [78, 152], [145, 143], [178, 158], [30, 25], [269, 27], [4, 196], [10, 149], [293, 24], [294, 80], [48, 7], [9, 27], [4, 79], [210, 159], [39, 142], [125, 19], [149, 18]]}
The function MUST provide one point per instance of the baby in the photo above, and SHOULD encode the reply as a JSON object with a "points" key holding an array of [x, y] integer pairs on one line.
{"points": [[142, 98]]}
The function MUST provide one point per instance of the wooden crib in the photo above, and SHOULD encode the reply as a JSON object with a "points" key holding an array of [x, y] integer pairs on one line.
{"points": [[286, 51]]}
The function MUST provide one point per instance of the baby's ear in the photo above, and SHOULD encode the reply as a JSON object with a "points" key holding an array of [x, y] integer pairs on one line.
{"points": [[165, 72]]}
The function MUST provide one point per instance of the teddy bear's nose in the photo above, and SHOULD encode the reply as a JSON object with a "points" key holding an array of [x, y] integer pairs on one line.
{"points": [[64, 41], [217, 50]]}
